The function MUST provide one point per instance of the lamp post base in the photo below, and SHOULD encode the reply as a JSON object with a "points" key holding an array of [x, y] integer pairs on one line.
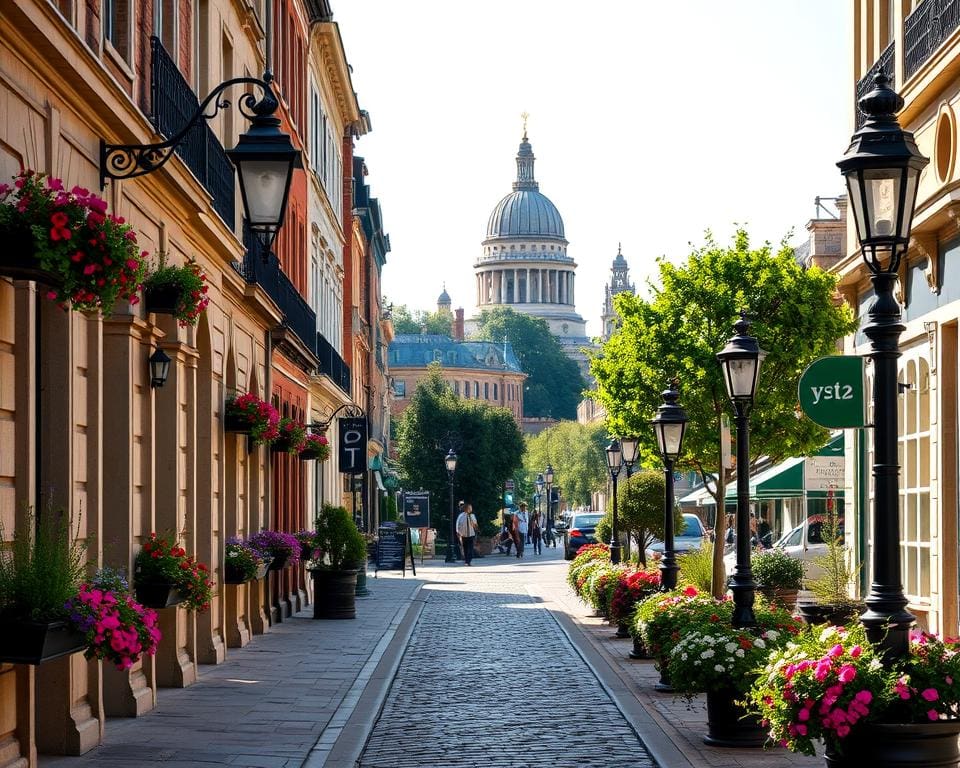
{"points": [[615, 552]]}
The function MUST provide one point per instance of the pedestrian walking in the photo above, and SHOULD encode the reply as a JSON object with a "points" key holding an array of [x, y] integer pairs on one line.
{"points": [[518, 536], [524, 522], [467, 532], [536, 538]]}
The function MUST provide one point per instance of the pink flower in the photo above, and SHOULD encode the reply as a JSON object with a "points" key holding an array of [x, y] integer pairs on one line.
{"points": [[802, 729], [837, 650], [856, 651], [803, 714], [690, 592], [930, 694], [864, 696], [847, 673], [932, 714], [843, 730]]}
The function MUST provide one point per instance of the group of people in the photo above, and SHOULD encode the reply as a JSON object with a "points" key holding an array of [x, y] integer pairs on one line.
{"points": [[761, 534], [519, 529]]}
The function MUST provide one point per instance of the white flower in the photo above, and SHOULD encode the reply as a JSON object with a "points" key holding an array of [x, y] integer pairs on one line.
{"points": [[739, 652], [759, 643], [874, 665], [731, 647], [707, 653], [772, 634], [683, 656], [696, 663], [719, 668]]}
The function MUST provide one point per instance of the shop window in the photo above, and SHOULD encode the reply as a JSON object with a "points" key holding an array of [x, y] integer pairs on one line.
{"points": [[914, 457]]}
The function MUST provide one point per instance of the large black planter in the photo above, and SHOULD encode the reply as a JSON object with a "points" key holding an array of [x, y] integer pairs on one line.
{"points": [[834, 615], [233, 422], [157, 595], [18, 258], [362, 590], [334, 594], [663, 684], [163, 299], [728, 725], [33, 642], [309, 454], [622, 630], [639, 650], [279, 562], [896, 745]]}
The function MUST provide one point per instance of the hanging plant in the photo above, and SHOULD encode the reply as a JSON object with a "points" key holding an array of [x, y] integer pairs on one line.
{"points": [[249, 414], [180, 291], [91, 256], [315, 447], [293, 435]]}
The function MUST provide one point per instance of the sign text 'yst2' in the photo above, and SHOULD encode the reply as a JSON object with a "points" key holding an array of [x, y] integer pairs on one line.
{"points": [[831, 391]]}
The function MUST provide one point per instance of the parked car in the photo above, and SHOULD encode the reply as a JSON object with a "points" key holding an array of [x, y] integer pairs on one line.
{"points": [[579, 532], [690, 537], [804, 542]]}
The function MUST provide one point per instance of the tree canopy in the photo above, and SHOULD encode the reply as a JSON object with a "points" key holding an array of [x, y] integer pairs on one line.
{"points": [[576, 452], [554, 384], [405, 321], [689, 318], [489, 450]]}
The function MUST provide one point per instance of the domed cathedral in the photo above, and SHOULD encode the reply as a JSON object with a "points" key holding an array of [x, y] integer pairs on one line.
{"points": [[619, 282], [444, 304], [525, 265]]}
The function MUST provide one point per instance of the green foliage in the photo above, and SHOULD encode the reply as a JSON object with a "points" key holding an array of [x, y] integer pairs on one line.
{"points": [[774, 568], [837, 578], [491, 450], [640, 509], [42, 569], [554, 384], [696, 567], [689, 318], [576, 453], [421, 321], [389, 507], [339, 539]]}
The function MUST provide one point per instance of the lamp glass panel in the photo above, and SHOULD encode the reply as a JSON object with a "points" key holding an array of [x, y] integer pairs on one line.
{"points": [[548, 476], [265, 187], [672, 435], [740, 377], [854, 195], [451, 462], [909, 201], [882, 187], [614, 456], [629, 447]]}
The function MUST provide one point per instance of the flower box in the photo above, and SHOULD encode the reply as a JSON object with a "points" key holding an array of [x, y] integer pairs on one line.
{"points": [[163, 299], [279, 562], [18, 259], [158, 595], [233, 422], [33, 642], [311, 454]]}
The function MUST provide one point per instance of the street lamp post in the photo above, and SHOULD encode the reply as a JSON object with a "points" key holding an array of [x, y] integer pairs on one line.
{"points": [[539, 484], [630, 447], [669, 424], [740, 360], [450, 461], [614, 463], [882, 168], [548, 479]]}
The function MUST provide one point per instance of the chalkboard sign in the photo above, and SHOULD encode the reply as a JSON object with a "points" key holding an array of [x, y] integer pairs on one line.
{"points": [[393, 545], [416, 509]]}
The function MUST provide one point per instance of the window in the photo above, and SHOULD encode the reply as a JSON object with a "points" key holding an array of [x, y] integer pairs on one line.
{"points": [[486, 390], [456, 388], [399, 387], [116, 25], [476, 389], [165, 25], [914, 457], [495, 395]]}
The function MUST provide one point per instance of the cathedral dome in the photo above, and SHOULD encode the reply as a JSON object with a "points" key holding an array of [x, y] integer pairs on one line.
{"points": [[525, 212]]}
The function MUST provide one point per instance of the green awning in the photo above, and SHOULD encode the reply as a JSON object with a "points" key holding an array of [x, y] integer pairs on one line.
{"points": [[780, 481]]}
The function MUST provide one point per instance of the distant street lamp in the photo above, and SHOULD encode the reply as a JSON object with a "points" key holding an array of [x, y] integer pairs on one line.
{"points": [[614, 463], [630, 447], [669, 424], [740, 360], [548, 479], [539, 484], [450, 461], [882, 167]]}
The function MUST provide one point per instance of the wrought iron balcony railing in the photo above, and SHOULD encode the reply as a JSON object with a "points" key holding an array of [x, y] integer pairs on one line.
{"points": [[885, 62], [925, 29], [332, 365], [173, 103]]}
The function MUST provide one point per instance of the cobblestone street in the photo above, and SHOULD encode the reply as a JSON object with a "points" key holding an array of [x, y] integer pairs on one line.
{"points": [[488, 679]]}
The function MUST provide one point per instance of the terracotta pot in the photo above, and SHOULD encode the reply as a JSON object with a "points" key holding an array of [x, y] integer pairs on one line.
{"points": [[728, 725], [899, 745], [33, 642], [785, 598]]}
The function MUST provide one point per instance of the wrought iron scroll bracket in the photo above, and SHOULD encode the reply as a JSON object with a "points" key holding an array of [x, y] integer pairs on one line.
{"points": [[352, 410]]}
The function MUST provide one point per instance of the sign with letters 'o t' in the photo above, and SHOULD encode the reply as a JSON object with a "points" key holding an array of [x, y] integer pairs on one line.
{"points": [[353, 445], [831, 391]]}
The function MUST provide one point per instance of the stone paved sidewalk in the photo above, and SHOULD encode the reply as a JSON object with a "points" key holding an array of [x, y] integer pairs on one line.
{"points": [[269, 703]]}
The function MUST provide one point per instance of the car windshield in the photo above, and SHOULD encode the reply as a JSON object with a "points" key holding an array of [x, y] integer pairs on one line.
{"points": [[586, 521], [691, 526]]}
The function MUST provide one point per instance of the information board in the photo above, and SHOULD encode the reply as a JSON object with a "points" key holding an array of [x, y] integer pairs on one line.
{"points": [[416, 509], [393, 547]]}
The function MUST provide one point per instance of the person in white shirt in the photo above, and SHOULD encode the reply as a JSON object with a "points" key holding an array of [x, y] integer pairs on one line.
{"points": [[523, 523], [467, 532]]}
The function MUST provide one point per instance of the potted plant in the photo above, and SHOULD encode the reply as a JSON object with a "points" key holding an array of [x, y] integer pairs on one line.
{"points": [[309, 549], [831, 685], [175, 290], [249, 415], [335, 576], [714, 658], [599, 586], [283, 547], [165, 575], [117, 628], [587, 558], [243, 562], [315, 447], [39, 574], [291, 438], [836, 582], [778, 576], [88, 258], [631, 588]]}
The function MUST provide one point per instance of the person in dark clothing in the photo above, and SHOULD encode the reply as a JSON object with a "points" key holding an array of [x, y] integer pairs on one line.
{"points": [[536, 538]]}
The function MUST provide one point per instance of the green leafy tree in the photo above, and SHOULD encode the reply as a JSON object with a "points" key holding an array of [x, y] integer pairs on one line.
{"points": [[554, 384], [689, 318], [576, 452], [490, 451], [639, 510], [418, 321]]}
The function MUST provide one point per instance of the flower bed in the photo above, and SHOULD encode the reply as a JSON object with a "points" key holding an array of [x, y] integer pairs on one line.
{"points": [[92, 254]]}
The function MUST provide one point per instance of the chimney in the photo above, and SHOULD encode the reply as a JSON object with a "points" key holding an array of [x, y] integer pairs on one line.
{"points": [[458, 325]]}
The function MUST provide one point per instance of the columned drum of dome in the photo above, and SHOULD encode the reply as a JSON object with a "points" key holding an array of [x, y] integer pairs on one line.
{"points": [[524, 264]]}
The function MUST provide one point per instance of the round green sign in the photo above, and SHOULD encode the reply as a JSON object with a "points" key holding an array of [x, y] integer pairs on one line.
{"points": [[831, 392]]}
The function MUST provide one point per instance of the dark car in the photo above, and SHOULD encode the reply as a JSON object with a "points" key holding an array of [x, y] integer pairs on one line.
{"points": [[580, 532]]}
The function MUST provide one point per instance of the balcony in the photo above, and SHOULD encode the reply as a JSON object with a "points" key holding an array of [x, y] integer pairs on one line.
{"points": [[925, 29], [885, 62], [332, 365], [174, 103]]}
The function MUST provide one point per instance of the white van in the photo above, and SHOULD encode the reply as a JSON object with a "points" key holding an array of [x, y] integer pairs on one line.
{"points": [[805, 543]]}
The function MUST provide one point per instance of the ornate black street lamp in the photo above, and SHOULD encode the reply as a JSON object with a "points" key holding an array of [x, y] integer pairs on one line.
{"points": [[740, 361], [539, 484], [630, 448], [264, 156], [614, 463], [669, 424], [159, 367], [882, 167], [450, 461], [548, 479]]}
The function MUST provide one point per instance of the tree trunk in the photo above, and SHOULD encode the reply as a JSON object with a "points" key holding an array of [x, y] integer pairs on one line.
{"points": [[719, 583]]}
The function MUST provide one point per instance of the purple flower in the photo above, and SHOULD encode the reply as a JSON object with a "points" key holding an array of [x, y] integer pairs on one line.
{"points": [[277, 544]]}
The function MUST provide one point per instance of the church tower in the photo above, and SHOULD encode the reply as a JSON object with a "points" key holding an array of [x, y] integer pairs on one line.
{"points": [[524, 264], [619, 282]]}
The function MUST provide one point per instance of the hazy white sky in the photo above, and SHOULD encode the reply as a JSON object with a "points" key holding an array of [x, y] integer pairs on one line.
{"points": [[650, 122]]}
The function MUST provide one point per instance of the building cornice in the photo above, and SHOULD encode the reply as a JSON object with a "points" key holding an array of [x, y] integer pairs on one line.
{"points": [[326, 47]]}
